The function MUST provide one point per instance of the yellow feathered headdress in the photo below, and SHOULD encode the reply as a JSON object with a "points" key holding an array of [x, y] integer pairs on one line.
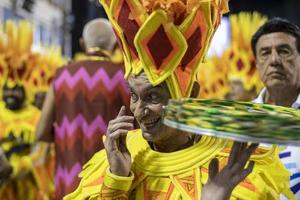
{"points": [[239, 56], [16, 59], [212, 77], [167, 39], [42, 76], [20, 65]]}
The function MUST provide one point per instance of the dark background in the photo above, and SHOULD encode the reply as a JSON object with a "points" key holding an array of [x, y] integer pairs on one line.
{"points": [[84, 10]]}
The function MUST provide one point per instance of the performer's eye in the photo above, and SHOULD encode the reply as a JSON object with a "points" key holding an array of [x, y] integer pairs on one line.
{"points": [[133, 97], [154, 97]]}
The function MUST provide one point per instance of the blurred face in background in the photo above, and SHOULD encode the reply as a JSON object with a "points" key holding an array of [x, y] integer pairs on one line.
{"points": [[14, 97]]}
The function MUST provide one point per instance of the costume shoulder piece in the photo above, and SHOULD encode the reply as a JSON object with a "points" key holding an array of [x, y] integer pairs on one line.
{"points": [[167, 39], [92, 177]]}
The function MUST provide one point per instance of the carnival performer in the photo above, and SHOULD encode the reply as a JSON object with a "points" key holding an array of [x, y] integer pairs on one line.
{"points": [[84, 96], [276, 46], [18, 118], [163, 43]]}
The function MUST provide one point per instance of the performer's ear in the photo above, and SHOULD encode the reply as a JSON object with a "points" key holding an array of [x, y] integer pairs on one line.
{"points": [[82, 44], [195, 90]]}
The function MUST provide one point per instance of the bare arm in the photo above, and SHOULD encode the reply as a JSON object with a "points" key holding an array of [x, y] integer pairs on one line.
{"points": [[45, 125]]}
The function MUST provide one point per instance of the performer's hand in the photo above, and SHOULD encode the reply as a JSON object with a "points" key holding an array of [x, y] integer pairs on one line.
{"points": [[118, 155], [221, 184], [5, 168]]}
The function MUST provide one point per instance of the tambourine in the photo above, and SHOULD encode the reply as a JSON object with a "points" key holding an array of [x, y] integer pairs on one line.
{"points": [[234, 120]]}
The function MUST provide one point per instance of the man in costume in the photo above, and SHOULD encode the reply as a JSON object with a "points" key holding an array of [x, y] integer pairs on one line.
{"points": [[243, 77], [163, 44], [276, 46], [18, 117], [85, 95]]}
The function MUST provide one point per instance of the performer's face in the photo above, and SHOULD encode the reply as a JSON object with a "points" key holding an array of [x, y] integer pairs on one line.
{"points": [[278, 61], [14, 98], [146, 104]]}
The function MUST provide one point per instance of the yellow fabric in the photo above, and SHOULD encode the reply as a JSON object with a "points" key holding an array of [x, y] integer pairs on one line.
{"points": [[117, 182], [16, 122], [25, 181], [179, 175]]}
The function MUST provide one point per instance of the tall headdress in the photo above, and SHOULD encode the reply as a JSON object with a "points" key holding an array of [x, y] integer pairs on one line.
{"points": [[239, 56], [42, 76], [16, 59], [167, 39]]}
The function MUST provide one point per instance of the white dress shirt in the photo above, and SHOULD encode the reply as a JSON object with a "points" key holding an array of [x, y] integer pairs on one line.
{"points": [[290, 156]]}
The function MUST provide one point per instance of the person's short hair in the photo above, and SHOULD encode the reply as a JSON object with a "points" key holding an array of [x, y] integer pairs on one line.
{"points": [[276, 25], [99, 33]]}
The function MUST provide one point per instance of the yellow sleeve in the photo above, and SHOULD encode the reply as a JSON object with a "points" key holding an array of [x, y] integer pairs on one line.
{"points": [[115, 187], [98, 183]]}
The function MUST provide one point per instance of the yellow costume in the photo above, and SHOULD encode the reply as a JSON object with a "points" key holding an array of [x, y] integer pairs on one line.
{"points": [[168, 39], [19, 126], [178, 175], [20, 66]]}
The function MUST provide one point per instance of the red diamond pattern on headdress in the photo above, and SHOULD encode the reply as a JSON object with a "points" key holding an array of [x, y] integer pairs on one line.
{"points": [[21, 71], [196, 36], [1, 70], [252, 69], [159, 46], [194, 47], [119, 40], [154, 47], [129, 25]]}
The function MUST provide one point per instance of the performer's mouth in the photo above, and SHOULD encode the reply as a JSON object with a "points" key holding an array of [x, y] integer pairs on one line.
{"points": [[151, 123]]}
